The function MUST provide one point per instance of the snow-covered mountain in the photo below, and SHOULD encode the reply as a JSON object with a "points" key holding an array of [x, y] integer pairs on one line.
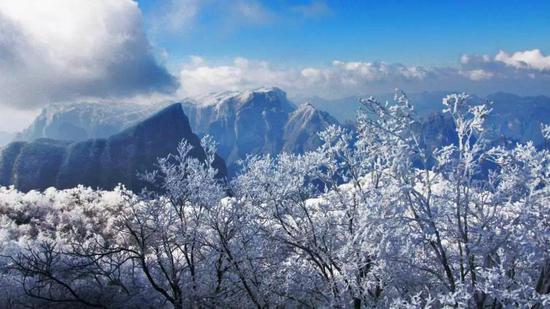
{"points": [[82, 121], [259, 121], [301, 129], [248, 122], [519, 118], [265, 121], [100, 163]]}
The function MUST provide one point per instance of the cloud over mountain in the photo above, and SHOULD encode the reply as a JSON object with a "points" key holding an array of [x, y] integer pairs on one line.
{"points": [[65, 49], [524, 72], [529, 59]]}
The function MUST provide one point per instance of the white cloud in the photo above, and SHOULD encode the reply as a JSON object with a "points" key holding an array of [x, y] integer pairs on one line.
{"points": [[249, 11], [67, 49], [198, 77], [376, 71], [478, 74], [14, 120], [528, 59], [511, 64]]}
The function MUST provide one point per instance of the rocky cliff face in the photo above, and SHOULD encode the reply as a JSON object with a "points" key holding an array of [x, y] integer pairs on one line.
{"points": [[250, 122], [260, 121], [302, 128], [99, 163]]}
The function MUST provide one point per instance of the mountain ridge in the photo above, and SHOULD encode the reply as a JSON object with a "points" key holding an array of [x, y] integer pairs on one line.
{"points": [[513, 117], [101, 163], [265, 121]]}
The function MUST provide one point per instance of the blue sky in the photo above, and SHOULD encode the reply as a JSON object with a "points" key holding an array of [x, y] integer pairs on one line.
{"points": [[424, 33]]}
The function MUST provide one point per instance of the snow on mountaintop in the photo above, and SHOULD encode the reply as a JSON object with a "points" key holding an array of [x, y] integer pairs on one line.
{"points": [[257, 121], [238, 97], [307, 108], [83, 120], [307, 113], [94, 112], [80, 121], [212, 98], [303, 115]]}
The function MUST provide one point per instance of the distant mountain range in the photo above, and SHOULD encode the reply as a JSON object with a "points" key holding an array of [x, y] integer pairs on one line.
{"points": [[101, 163], [101, 145], [513, 117], [259, 121]]}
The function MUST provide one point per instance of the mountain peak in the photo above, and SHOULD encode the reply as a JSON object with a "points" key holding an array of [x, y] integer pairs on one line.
{"points": [[302, 127], [306, 106], [266, 94], [270, 90], [307, 112], [171, 113]]}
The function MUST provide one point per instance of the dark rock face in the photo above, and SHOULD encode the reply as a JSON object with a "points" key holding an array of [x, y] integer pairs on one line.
{"points": [[31, 166], [101, 163], [438, 130]]}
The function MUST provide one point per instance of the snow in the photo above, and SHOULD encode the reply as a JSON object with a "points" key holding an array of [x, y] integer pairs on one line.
{"points": [[239, 97]]}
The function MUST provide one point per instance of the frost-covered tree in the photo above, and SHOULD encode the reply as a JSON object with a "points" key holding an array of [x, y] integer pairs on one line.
{"points": [[57, 248], [410, 223], [445, 230], [169, 232]]}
